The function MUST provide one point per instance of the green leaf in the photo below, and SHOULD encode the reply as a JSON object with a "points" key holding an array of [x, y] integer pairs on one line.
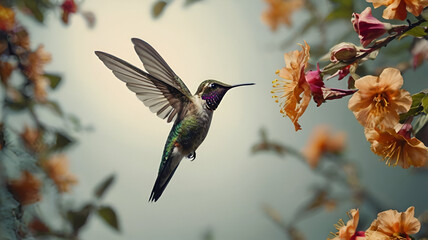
{"points": [[424, 103], [190, 2], [62, 141], [415, 32], [158, 8], [78, 219], [419, 104], [33, 6], [333, 67], [420, 123], [54, 107], [54, 80], [102, 188], [109, 216]]}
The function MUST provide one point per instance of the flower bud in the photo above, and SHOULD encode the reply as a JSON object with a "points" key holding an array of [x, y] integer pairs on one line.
{"points": [[343, 52], [368, 27]]}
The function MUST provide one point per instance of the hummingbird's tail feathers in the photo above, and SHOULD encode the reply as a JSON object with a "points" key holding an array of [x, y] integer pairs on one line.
{"points": [[165, 176]]}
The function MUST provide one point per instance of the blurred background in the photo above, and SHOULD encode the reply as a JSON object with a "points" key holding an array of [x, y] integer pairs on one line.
{"points": [[229, 191]]}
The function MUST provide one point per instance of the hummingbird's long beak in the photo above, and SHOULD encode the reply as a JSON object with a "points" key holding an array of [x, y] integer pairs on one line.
{"points": [[243, 84]]}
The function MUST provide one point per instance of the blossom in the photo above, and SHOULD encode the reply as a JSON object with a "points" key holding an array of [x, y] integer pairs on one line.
{"points": [[68, 6], [392, 225], [293, 86], [397, 9], [348, 231], [379, 100], [37, 226], [397, 148], [32, 139], [26, 190], [368, 27], [419, 51], [280, 12], [40, 86], [7, 18], [36, 61], [57, 169], [321, 93], [5, 71], [321, 142]]}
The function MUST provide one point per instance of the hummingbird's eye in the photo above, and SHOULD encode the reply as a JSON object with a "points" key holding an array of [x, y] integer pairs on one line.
{"points": [[213, 85]]}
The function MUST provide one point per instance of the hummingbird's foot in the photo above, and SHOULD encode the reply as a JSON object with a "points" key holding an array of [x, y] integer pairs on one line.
{"points": [[192, 156]]}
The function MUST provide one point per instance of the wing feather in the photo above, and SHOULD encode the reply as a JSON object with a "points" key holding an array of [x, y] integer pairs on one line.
{"points": [[157, 67], [162, 97]]}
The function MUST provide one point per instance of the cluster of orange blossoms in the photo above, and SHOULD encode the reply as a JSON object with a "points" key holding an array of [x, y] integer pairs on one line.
{"points": [[389, 224], [377, 101], [27, 188], [322, 142], [280, 12], [32, 61]]}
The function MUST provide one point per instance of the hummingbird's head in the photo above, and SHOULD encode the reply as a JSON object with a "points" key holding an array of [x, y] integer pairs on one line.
{"points": [[212, 91]]}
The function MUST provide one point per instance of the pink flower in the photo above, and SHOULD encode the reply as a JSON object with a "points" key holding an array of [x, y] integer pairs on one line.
{"points": [[318, 90], [368, 27], [68, 6], [419, 51]]}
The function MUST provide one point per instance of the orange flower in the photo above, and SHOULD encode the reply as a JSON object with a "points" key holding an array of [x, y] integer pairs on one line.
{"points": [[36, 61], [57, 169], [7, 18], [379, 100], [396, 148], [397, 9], [322, 142], [40, 86], [5, 71], [348, 231], [36, 226], [280, 12], [32, 139], [26, 190], [293, 85], [392, 225]]}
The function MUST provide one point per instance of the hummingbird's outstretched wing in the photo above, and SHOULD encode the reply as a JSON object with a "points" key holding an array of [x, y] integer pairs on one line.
{"points": [[165, 98], [157, 67]]}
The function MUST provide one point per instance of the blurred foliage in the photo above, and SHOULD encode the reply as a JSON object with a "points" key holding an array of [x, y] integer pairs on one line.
{"points": [[159, 6], [33, 166]]}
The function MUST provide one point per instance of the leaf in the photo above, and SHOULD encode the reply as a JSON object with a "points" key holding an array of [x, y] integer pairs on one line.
{"points": [[158, 8], [54, 80], [54, 107], [102, 188], [79, 218], [190, 2], [417, 105], [109, 216], [61, 141], [333, 67], [342, 9], [420, 123], [33, 6], [415, 32], [424, 103]]}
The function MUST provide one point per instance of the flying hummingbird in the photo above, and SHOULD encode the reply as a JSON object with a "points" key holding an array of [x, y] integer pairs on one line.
{"points": [[166, 95]]}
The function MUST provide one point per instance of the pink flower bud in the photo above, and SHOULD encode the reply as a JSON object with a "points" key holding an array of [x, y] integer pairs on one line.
{"points": [[318, 90], [368, 27], [343, 52]]}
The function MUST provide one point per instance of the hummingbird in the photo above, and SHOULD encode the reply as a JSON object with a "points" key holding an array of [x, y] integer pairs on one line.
{"points": [[165, 94]]}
